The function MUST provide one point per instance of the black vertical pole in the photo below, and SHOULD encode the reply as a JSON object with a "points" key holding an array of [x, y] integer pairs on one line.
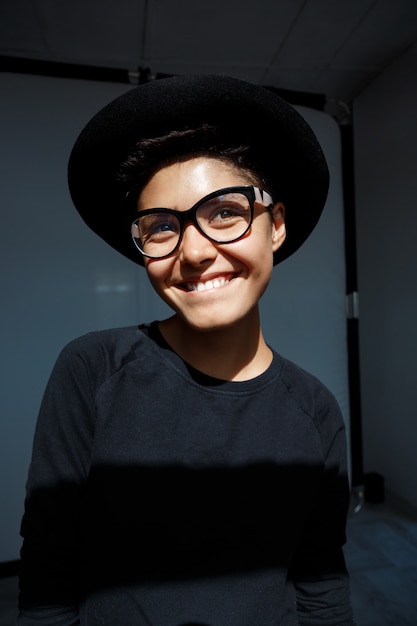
{"points": [[352, 300]]}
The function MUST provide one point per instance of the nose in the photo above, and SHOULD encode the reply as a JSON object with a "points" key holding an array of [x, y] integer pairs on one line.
{"points": [[195, 248]]}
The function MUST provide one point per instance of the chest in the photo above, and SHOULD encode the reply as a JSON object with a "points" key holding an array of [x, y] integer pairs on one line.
{"points": [[158, 421]]}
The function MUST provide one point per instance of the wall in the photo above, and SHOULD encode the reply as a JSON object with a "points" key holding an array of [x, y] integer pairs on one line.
{"points": [[386, 191], [59, 280]]}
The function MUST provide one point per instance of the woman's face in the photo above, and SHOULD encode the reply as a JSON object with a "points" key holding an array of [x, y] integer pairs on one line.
{"points": [[231, 277]]}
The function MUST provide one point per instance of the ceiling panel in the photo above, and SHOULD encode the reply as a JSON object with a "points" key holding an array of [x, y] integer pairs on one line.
{"points": [[334, 47], [218, 32], [20, 31], [384, 33], [321, 29], [95, 31], [342, 85]]}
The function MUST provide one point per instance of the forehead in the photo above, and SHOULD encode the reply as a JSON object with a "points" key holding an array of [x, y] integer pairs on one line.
{"points": [[182, 184]]}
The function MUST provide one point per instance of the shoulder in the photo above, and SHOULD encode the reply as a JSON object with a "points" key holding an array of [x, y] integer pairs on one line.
{"points": [[310, 394], [101, 353], [303, 384], [106, 340]]}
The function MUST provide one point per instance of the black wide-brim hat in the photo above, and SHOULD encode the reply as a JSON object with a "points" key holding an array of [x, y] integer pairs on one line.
{"points": [[283, 148]]}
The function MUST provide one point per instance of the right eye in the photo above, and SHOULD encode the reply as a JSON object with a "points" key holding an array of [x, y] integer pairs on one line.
{"points": [[154, 227]]}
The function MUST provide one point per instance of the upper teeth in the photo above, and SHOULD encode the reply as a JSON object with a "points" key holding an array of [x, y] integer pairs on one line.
{"points": [[209, 284]]}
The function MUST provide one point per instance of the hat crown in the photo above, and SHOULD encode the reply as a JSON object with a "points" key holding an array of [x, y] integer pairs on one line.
{"points": [[284, 146]]}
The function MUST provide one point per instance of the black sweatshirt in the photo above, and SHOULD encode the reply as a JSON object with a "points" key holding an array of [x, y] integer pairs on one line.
{"points": [[160, 496]]}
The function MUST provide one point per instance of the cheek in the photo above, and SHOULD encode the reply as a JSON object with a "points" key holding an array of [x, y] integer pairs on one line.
{"points": [[257, 247], [158, 272]]}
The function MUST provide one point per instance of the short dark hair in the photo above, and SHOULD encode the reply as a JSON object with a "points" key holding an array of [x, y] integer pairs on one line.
{"points": [[149, 155]]}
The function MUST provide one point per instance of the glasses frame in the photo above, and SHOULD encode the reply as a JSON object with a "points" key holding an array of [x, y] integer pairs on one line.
{"points": [[252, 193]]}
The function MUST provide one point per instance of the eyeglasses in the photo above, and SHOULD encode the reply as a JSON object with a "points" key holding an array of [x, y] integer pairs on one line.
{"points": [[223, 216]]}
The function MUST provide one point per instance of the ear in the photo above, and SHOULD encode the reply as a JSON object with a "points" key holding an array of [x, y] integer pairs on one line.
{"points": [[279, 232]]}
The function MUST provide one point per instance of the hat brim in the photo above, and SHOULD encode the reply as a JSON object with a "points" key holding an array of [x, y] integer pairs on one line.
{"points": [[284, 147]]}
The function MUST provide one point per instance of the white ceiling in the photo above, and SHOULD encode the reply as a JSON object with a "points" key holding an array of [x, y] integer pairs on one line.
{"points": [[330, 47]]}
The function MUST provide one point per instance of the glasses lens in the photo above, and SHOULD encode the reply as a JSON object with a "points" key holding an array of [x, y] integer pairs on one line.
{"points": [[226, 217], [156, 234], [223, 218]]}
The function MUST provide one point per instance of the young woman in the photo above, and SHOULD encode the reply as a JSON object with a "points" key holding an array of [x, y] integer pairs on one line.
{"points": [[183, 472]]}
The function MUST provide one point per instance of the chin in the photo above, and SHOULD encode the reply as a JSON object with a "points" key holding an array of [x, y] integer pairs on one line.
{"points": [[212, 325]]}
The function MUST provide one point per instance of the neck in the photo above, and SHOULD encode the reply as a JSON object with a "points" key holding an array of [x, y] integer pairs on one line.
{"points": [[235, 353]]}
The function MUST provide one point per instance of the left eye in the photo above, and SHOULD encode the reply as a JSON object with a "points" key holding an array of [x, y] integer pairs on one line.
{"points": [[226, 213]]}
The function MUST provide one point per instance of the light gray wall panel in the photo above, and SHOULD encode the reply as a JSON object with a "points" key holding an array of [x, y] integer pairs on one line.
{"points": [[59, 280]]}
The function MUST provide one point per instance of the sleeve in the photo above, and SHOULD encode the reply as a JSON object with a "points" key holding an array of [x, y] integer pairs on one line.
{"points": [[319, 571], [50, 554]]}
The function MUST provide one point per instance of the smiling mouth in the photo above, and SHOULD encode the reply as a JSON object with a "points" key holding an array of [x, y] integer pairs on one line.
{"points": [[206, 285]]}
